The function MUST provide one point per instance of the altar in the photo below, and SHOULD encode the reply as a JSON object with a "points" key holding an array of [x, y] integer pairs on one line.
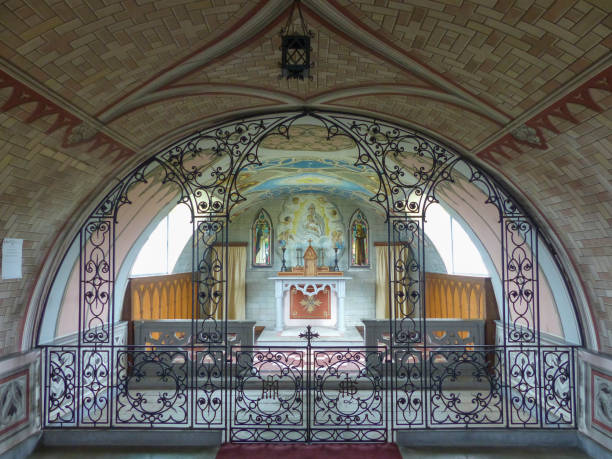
{"points": [[310, 300]]}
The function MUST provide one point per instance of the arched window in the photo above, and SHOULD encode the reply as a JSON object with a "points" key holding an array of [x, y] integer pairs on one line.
{"points": [[161, 251], [359, 236], [262, 240], [453, 243]]}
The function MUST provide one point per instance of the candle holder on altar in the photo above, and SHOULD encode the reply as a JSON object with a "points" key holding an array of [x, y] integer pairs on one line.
{"points": [[336, 259], [321, 257], [284, 267], [283, 248]]}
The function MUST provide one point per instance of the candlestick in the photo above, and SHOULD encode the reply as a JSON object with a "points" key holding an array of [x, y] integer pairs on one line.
{"points": [[336, 259], [321, 257], [284, 267]]}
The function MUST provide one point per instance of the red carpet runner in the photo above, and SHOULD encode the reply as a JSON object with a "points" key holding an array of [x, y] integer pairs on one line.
{"points": [[300, 451]]}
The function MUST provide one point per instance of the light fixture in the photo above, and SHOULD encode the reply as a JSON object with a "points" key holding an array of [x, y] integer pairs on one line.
{"points": [[295, 47]]}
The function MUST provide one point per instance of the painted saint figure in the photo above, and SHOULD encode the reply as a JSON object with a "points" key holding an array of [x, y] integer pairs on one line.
{"points": [[262, 252], [359, 230], [314, 222]]}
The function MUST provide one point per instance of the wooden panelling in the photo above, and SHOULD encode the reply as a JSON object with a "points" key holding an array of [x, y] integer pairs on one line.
{"points": [[161, 297], [455, 297], [461, 297]]}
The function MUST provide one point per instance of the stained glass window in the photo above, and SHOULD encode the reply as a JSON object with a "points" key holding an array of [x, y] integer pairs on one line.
{"points": [[359, 235], [261, 239]]}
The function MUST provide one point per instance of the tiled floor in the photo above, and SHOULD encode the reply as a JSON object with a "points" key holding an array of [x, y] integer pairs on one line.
{"points": [[210, 453]]}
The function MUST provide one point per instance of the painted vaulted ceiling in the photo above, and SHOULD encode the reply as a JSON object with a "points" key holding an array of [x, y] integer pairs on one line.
{"points": [[147, 72]]}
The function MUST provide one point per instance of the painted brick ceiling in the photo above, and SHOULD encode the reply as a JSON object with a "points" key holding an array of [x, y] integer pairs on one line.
{"points": [[88, 88]]}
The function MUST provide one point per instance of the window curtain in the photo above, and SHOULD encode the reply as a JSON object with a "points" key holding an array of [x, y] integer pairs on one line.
{"points": [[236, 281], [383, 280]]}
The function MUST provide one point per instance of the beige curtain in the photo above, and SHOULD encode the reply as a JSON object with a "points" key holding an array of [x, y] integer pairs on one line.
{"points": [[236, 282], [382, 279]]}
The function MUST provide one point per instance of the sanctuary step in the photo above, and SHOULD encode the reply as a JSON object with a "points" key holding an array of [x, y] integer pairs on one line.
{"points": [[328, 337]]}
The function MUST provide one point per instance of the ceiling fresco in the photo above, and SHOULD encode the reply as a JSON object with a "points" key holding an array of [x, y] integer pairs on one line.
{"points": [[306, 174], [300, 165]]}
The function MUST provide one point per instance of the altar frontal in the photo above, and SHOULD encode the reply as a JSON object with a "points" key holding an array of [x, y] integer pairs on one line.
{"points": [[310, 305]]}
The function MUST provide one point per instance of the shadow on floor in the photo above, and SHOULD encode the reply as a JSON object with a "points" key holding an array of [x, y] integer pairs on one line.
{"points": [[210, 453]]}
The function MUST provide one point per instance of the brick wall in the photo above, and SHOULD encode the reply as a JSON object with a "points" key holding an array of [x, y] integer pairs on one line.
{"points": [[41, 186]]}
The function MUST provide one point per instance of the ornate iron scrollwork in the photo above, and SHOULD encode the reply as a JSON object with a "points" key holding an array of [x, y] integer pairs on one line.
{"points": [[406, 280], [558, 386], [61, 404], [348, 399], [209, 387], [256, 414], [479, 370], [152, 387], [309, 393], [522, 379], [520, 275], [210, 280], [409, 388], [97, 278], [95, 407]]}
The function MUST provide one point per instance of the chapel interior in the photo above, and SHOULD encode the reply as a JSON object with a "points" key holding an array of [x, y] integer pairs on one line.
{"points": [[311, 208], [405, 237]]}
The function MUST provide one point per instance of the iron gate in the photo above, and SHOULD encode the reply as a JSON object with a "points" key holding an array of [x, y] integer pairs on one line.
{"points": [[311, 394]]}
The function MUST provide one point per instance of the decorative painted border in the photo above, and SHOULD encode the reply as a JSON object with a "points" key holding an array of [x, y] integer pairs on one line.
{"points": [[76, 131], [26, 396], [535, 126], [594, 420]]}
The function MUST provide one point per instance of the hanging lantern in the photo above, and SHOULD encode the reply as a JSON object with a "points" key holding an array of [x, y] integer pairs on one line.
{"points": [[296, 47]]}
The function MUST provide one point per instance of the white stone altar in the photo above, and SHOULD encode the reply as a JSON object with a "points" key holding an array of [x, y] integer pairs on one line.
{"points": [[310, 286]]}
